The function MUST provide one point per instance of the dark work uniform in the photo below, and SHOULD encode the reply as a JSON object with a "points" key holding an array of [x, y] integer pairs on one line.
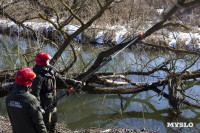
{"points": [[43, 87], [24, 111]]}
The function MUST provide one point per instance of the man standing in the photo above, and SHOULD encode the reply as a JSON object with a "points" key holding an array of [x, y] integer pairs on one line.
{"points": [[44, 88], [23, 108]]}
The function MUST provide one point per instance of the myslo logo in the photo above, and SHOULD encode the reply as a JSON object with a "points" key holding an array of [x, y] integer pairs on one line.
{"points": [[179, 124]]}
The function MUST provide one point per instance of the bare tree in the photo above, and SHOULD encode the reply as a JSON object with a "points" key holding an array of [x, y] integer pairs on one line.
{"points": [[79, 12]]}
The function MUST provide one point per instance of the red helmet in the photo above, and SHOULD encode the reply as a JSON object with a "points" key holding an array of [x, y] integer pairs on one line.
{"points": [[42, 58], [24, 76]]}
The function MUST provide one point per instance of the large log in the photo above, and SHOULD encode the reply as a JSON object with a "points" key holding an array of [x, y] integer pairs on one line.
{"points": [[5, 90], [7, 75]]}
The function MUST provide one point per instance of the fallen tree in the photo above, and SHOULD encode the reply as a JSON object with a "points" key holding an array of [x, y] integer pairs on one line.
{"points": [[175, 78]]}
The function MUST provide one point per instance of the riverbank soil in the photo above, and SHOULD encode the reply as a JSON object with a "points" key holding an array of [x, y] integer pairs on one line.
{"points": [[5, 127]]}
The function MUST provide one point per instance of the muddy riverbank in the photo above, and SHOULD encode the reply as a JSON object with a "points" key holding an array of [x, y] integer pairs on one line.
{"points": [[5, 127]]}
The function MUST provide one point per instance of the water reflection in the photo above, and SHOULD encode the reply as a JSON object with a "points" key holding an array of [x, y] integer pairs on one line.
{"points": [[83, 111], [104, 111]]}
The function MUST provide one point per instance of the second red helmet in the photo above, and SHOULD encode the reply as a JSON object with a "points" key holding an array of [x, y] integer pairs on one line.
{"points": [[42, 58], [24, 76]]}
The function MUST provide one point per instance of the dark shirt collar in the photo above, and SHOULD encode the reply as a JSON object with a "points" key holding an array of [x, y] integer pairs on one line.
{"points": [[19, 89], [39, 68]]}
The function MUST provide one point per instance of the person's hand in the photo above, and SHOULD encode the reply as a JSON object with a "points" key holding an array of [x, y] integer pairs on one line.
{"points": [[70, 90]]}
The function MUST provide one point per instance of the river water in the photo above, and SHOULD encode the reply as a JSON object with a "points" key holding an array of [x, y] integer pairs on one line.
{"points": [[82, 111]]}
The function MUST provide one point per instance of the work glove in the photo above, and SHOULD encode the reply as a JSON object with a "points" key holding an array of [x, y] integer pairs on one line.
{"points": [[70, 90], [77, 85]]}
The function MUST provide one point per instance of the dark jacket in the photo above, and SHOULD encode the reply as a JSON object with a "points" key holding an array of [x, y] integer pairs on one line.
{"points": [[44, 85], [24, 111]]}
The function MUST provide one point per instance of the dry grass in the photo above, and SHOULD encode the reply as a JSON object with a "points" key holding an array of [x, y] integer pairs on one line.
{"points": [[5, 127]]}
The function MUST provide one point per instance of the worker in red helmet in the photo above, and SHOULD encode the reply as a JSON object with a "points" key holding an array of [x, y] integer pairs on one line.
{"points": [[42, 59], [23, 108], [44, 88]]}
